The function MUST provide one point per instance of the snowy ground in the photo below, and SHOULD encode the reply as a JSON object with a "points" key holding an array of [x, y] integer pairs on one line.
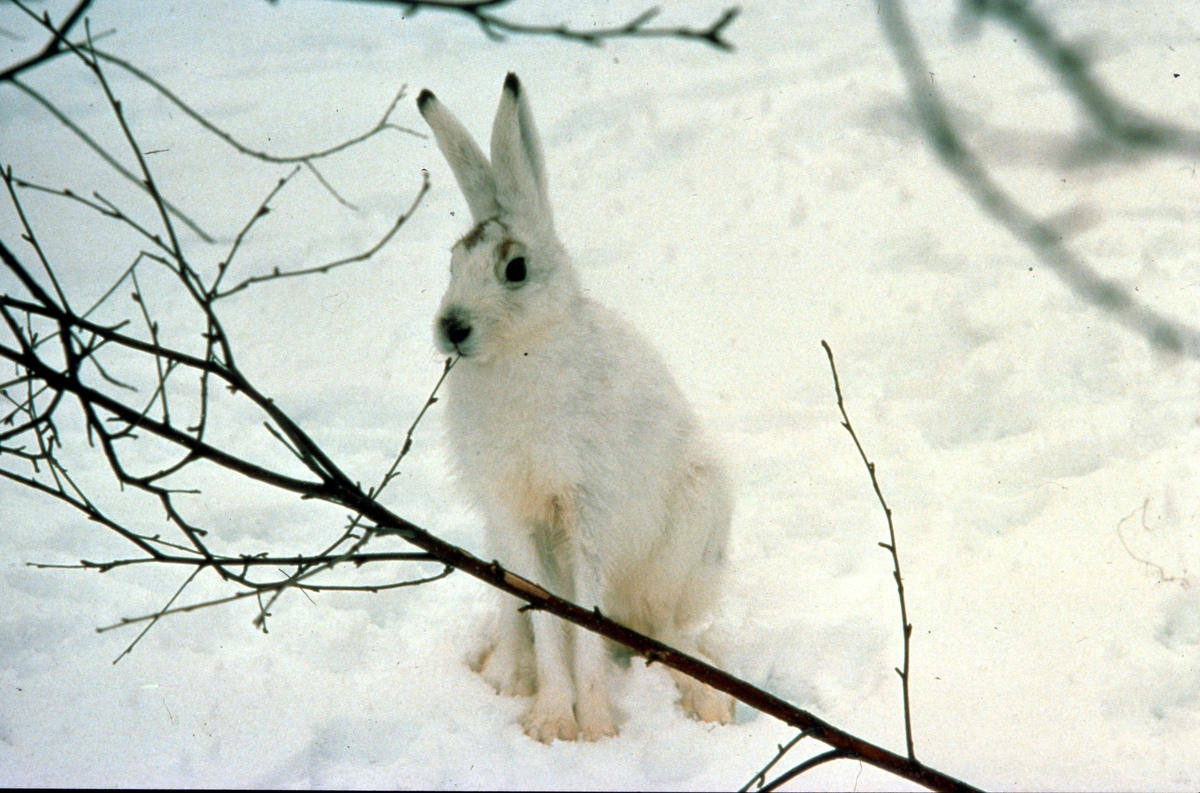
{"points": [[738, 208]]}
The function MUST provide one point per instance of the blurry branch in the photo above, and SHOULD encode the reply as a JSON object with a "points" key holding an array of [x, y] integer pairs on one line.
{"points": [[60, 361], [1120, 128], [494, 27], [53, 47], [889, 546]]}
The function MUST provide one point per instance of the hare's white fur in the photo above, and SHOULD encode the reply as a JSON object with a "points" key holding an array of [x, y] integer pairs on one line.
{"points": [[572, 439]]}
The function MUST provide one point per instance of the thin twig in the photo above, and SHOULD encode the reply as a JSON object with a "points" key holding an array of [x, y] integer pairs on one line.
{"points": [[262, 211], [325, 268], [807, 765], [306, 159], [761, 777], [356, 559], [154, 619], [264, 608], [494, 27], [108, 158], [31, 238], [408, 436], [889, 546], [285, 159]]}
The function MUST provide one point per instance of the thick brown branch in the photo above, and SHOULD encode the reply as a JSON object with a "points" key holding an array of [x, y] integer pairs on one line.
{"points": [[493, 574]]}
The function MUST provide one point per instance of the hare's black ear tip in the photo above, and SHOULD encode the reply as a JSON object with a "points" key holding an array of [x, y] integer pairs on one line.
{"points": [[512, 84], [425, 97]]}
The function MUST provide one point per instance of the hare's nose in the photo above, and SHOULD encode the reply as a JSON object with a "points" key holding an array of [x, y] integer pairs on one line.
{"points": [[455, 329]]}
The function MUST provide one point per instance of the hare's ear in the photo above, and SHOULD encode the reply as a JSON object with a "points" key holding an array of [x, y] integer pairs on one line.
{"points": [[471, 168], [517, 162]]}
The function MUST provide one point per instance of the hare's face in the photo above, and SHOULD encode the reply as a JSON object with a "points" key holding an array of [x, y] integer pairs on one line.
{"points": [[507, 290], [511, 285]]}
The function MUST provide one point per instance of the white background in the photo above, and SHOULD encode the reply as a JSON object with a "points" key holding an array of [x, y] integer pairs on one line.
{"points": [[738, 208]]}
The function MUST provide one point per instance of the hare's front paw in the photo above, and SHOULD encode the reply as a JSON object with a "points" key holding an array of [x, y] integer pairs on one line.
{"points": [[596, 719], [510, 670], [704, 702], [550, 718]]}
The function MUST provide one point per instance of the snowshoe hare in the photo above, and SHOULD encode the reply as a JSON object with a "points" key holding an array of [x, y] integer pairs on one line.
{"points": [[572, 439]]}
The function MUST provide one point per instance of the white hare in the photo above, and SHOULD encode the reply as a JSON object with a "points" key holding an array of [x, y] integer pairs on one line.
{"points": [[572, 439]]}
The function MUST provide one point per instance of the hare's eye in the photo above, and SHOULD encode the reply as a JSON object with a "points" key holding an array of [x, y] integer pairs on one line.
{"points": [[514, 272]]}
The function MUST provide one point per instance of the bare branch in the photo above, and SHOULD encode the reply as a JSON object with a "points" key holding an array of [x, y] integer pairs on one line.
{"points": [[293, 159], [1117, 122], [807, 765], [104, 155], [264, 608], [408, 436], [263, 209], [53, 47], [356, 559], [1040, 236], [59, 45], [324, 268], [890, 546], [31, 238], [165, 610], [761, 777], [494, 26]]}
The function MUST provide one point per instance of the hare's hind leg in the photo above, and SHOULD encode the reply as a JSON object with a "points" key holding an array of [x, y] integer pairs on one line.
{"points": [[701, 513], [507, 660], [699, 700]]}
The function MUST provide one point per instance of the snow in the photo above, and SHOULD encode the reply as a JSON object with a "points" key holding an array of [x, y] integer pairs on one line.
{"points": [[738, 208]]}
